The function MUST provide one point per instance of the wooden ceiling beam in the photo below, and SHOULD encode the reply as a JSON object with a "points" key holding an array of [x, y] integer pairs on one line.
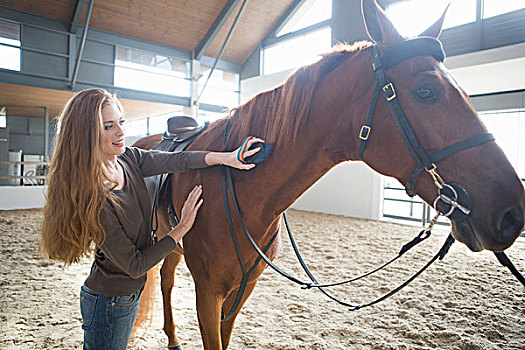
{"points": [[215, 28], [197, 26], [82, 43], [77, 14], [284, 19]]}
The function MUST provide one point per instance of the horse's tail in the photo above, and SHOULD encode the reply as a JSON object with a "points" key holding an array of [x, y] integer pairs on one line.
{"points": [[147, 300]]}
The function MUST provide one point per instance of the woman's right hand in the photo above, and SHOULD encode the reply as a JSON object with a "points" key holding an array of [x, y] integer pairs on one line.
{"points": [[189, 212]]}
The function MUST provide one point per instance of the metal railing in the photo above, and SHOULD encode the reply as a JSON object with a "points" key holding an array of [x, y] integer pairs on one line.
{"points": [[412, 214], [426, 212], [30, 173]]}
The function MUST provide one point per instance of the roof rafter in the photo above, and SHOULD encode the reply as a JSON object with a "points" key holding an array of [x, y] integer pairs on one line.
{"points": [[82, 43], [77, 14], [215, 28], [284, 19]]}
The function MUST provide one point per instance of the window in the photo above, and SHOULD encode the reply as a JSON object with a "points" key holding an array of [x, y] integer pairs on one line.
{"points": [[136, 127], [296, 52], [508, 127], [411, 17], [206, 116], [158, 124], [493, 8], [398, 205], [309, 13], [9, 45], [145, 71], [222, 88], [3, 118], [304, 47]]}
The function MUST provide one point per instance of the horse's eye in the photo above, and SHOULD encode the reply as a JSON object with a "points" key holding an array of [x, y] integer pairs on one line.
{"points": [[424, 93]]}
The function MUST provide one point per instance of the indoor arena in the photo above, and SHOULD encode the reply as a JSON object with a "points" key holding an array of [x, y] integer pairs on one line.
{"points": [[256, 174]]}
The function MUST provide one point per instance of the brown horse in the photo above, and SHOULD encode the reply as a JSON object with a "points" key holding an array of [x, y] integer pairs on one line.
{"points": [[313, 122]]}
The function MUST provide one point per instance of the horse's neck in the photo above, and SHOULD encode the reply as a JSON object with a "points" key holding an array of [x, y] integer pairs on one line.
{"points": [[329, 137], [288, 173]]}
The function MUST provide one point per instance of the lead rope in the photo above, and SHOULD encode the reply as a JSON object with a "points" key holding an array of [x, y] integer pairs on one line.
{"points": [[440, 255], [419, 238]]}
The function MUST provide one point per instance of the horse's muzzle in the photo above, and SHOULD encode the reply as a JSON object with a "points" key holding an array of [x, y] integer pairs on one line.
{"points": [[511, 225], [503, 235]]}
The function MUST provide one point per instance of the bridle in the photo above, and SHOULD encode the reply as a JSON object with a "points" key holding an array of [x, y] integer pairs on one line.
{"points": [[382, 61], [452, 200]]}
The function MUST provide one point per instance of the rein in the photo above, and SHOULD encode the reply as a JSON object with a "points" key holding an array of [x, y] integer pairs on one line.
{"points": [[314, 283], [452, 200]]}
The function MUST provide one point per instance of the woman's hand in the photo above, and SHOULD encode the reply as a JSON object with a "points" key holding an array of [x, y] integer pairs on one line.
{"points": [[230, 158], [189, 212]]}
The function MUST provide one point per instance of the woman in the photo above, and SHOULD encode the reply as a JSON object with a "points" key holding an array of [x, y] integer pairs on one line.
{"points": [[97, 197]]}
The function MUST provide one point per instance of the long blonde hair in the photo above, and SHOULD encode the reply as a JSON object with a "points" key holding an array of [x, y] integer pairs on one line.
{"points": [[76, 193]]}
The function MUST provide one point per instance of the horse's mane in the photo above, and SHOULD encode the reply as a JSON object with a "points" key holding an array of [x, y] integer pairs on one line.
{"points": [[278, 114]]}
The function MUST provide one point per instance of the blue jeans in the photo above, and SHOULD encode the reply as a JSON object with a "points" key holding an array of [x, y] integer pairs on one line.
{"points": [[107, 321]]}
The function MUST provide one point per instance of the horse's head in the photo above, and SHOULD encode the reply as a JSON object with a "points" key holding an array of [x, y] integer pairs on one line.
{"points": [[440, 114]]}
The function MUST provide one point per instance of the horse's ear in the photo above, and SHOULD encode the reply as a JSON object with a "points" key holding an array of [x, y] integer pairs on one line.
{"points": [[435, 29], [378, 26]]}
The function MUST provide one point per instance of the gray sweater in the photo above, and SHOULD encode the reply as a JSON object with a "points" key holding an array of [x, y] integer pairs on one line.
{"points": [[121, 263]]}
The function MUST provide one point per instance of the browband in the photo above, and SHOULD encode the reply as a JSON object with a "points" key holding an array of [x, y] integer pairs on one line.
{"points": [[423, 46]]}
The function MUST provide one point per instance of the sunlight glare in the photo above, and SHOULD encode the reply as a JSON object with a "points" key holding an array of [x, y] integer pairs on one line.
{"points": [[493, 8], [297, 52], [311, 12], [412, 17]]}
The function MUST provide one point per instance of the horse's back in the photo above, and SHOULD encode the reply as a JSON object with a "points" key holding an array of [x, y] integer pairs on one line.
{"points": [[148, 142]]}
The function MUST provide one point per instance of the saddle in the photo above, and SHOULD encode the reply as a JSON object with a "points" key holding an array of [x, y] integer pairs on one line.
{"points": [[181, 132]]}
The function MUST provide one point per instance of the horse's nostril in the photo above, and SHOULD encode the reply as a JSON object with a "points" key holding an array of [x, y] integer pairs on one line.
{"points": [[511, 224]]}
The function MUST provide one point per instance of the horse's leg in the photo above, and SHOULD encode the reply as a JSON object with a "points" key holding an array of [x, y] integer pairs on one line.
{"points": [[209, 304], [167, 275], [227, 326]]}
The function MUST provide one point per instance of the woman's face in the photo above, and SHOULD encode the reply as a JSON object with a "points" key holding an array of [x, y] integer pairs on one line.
{"points": [[113, 133]]}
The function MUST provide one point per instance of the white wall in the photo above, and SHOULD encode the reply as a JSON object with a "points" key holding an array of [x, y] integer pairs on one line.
{"points": [[252, 86], [501, 69], [349, 189], [352, 188], [21, 197]]}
